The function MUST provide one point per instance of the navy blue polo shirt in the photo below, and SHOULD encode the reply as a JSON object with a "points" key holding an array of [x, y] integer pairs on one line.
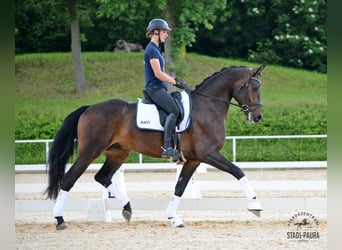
{"points": [[153, 51]]}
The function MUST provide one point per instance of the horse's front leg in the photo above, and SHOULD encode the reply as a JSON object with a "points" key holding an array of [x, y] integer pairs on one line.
{"points": [[171, 212], [217, 160]]}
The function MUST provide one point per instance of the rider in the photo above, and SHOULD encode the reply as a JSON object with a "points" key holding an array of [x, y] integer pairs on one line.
{"points": [[156, 81]]}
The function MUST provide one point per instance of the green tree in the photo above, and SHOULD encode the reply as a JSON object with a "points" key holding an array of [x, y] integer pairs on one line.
{"points": [[299, 38], [41, 26], [290, 33], [52, 25], [184, 16], [76, 48], [235, 30]]}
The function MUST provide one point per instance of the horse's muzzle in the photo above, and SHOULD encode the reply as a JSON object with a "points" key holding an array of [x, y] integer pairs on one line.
{"points": [[254, 117]]}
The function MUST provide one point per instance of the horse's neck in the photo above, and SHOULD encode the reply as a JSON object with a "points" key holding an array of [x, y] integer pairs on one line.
{"points": [[219, 91], [211, 104], [220, 87]]}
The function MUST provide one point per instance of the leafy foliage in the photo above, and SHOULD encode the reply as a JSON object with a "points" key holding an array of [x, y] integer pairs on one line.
{"points": [[300, 32], [291, 33], [38, 31]]}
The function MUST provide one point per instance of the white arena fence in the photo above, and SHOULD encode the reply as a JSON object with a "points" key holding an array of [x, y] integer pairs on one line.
{"points": [[105, 209], [233, 139]]}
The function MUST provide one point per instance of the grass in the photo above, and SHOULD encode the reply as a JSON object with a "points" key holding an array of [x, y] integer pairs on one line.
{"points": [[295, 101]]}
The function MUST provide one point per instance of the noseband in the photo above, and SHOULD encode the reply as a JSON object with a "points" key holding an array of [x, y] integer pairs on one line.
{"points": [[244, 107]]}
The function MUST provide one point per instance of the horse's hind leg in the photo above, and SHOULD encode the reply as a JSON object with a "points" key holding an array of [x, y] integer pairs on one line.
{"points": [[76, 170], [89, 149], [115, 156]]}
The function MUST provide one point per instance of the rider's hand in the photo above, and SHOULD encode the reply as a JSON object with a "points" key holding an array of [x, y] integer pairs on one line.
{"points": [[180, 84]]}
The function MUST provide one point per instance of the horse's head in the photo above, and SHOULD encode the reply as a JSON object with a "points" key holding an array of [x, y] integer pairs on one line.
{"points": [[247, 94]]}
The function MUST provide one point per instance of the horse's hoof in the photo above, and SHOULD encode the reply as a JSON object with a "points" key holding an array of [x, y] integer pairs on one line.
{"points": [[127, 215], [176, 222], [181, 226], [254, 206], [256, 212], [61, 226]]}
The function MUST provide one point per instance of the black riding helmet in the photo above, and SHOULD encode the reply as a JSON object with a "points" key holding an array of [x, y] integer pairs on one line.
{"points": [[157, 24]]}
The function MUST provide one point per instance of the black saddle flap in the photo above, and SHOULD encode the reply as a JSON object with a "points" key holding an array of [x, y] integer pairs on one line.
{"points": [[178, 99]]}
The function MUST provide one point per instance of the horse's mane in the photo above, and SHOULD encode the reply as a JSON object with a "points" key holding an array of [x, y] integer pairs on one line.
{"points": [[215, 74]]}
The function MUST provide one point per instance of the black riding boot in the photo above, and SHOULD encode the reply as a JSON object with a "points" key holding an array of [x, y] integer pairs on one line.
{"points": [[167, 150]]}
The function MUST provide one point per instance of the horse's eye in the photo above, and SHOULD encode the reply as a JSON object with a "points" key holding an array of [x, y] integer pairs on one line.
{"points": [[255, 89]]}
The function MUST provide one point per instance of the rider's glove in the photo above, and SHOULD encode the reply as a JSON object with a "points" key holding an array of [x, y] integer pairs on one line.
{"points": [[180, 84]]}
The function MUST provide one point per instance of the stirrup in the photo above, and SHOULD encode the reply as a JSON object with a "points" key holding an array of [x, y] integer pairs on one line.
{"points": [[171, 153]]}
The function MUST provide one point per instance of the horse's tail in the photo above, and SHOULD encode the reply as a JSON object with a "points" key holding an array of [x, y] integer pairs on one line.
{"points": [[61, 150]]}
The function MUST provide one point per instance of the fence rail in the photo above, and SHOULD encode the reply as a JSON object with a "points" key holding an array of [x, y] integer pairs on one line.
{"points": [[232, 138]]}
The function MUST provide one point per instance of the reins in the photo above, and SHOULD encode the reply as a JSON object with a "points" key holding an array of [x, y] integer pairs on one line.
{"points": [[216, 98], [243, 107]]}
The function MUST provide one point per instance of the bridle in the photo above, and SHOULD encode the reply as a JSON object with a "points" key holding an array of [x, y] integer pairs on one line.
{"points": [[244, 107]]}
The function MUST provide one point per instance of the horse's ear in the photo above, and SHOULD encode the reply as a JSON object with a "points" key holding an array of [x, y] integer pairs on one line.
{"points": [[259, 70]]}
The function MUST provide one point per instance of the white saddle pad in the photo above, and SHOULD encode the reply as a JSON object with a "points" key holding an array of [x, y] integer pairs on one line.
{"points": [[148, 115]]}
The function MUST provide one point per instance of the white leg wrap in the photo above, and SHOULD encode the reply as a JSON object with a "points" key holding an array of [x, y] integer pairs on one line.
{"points": [[113, 189], [172, 206], [60, 203], [247, 188]]}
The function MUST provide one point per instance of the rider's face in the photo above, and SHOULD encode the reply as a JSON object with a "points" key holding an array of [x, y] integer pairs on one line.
{"points": [[163, 35]]}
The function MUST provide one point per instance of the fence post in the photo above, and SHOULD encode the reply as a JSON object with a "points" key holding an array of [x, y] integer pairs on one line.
{"points": [[46, 152], [234, 149]]}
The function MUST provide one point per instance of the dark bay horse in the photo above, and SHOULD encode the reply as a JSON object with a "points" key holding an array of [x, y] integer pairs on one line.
{"points": [[110, 127]]}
